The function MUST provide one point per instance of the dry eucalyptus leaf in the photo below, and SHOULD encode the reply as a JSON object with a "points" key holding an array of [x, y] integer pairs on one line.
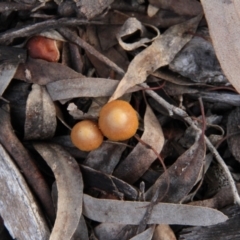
{"points": [[175, 78], [224, 24], [82, 230], [146, 235], [108, 231], [42, 72], [70, 189], [22, 216], [152, 10], [131, 26], [222, 231], [125, 212], [159, 54], [233, 124], [9, 60], [92, 8], [41, 119], [142, 157], [163, 232], [53, 34], [81, 87], [182, 174], [106, 157], [181, 7], [66, 142]]}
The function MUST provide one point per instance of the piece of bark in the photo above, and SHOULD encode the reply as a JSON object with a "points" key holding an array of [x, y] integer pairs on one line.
{"points": [[197, 61]]}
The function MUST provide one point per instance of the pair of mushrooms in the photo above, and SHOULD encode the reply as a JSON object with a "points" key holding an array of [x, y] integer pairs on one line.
{"points": [[118, 121]]}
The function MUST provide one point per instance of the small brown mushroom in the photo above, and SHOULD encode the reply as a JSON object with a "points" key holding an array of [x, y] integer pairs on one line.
{"points": [[43, 48], [86, 135], [118, 120]]}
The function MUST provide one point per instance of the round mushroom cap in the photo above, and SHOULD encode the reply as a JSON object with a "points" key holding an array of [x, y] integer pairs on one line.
{"points": [[43, 48], [118, 120], [86, 135]]}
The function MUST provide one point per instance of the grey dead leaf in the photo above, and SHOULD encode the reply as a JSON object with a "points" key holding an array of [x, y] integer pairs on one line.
{"points": [[233, 127], [160, 53], [225, 38], [125, 212], [53, 34], [92, 8], [181, 7], [152, 10], [9, 60], [222, 231], [163, 232], [105, 158], [41, 119], [175, 78], [27, 221], [6, 74], [41, 72], [66, 143], [81, 87], [108, 231], [146, 235], [81, 231], [131, 26], [183, 174], [70, 189], [141, 157]]}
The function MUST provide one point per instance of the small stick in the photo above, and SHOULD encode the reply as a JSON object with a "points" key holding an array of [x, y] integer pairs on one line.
{"points": [[72, 37], [35, 28]]}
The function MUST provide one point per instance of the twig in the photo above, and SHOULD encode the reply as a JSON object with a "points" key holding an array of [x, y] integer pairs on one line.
{"points": [[175, 110], [226, 170], [72, 37], [35, 28]]}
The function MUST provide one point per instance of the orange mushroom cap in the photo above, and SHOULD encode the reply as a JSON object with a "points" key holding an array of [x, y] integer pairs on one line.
{"points": [[43, 48], [86, 135], [118, 120]]}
